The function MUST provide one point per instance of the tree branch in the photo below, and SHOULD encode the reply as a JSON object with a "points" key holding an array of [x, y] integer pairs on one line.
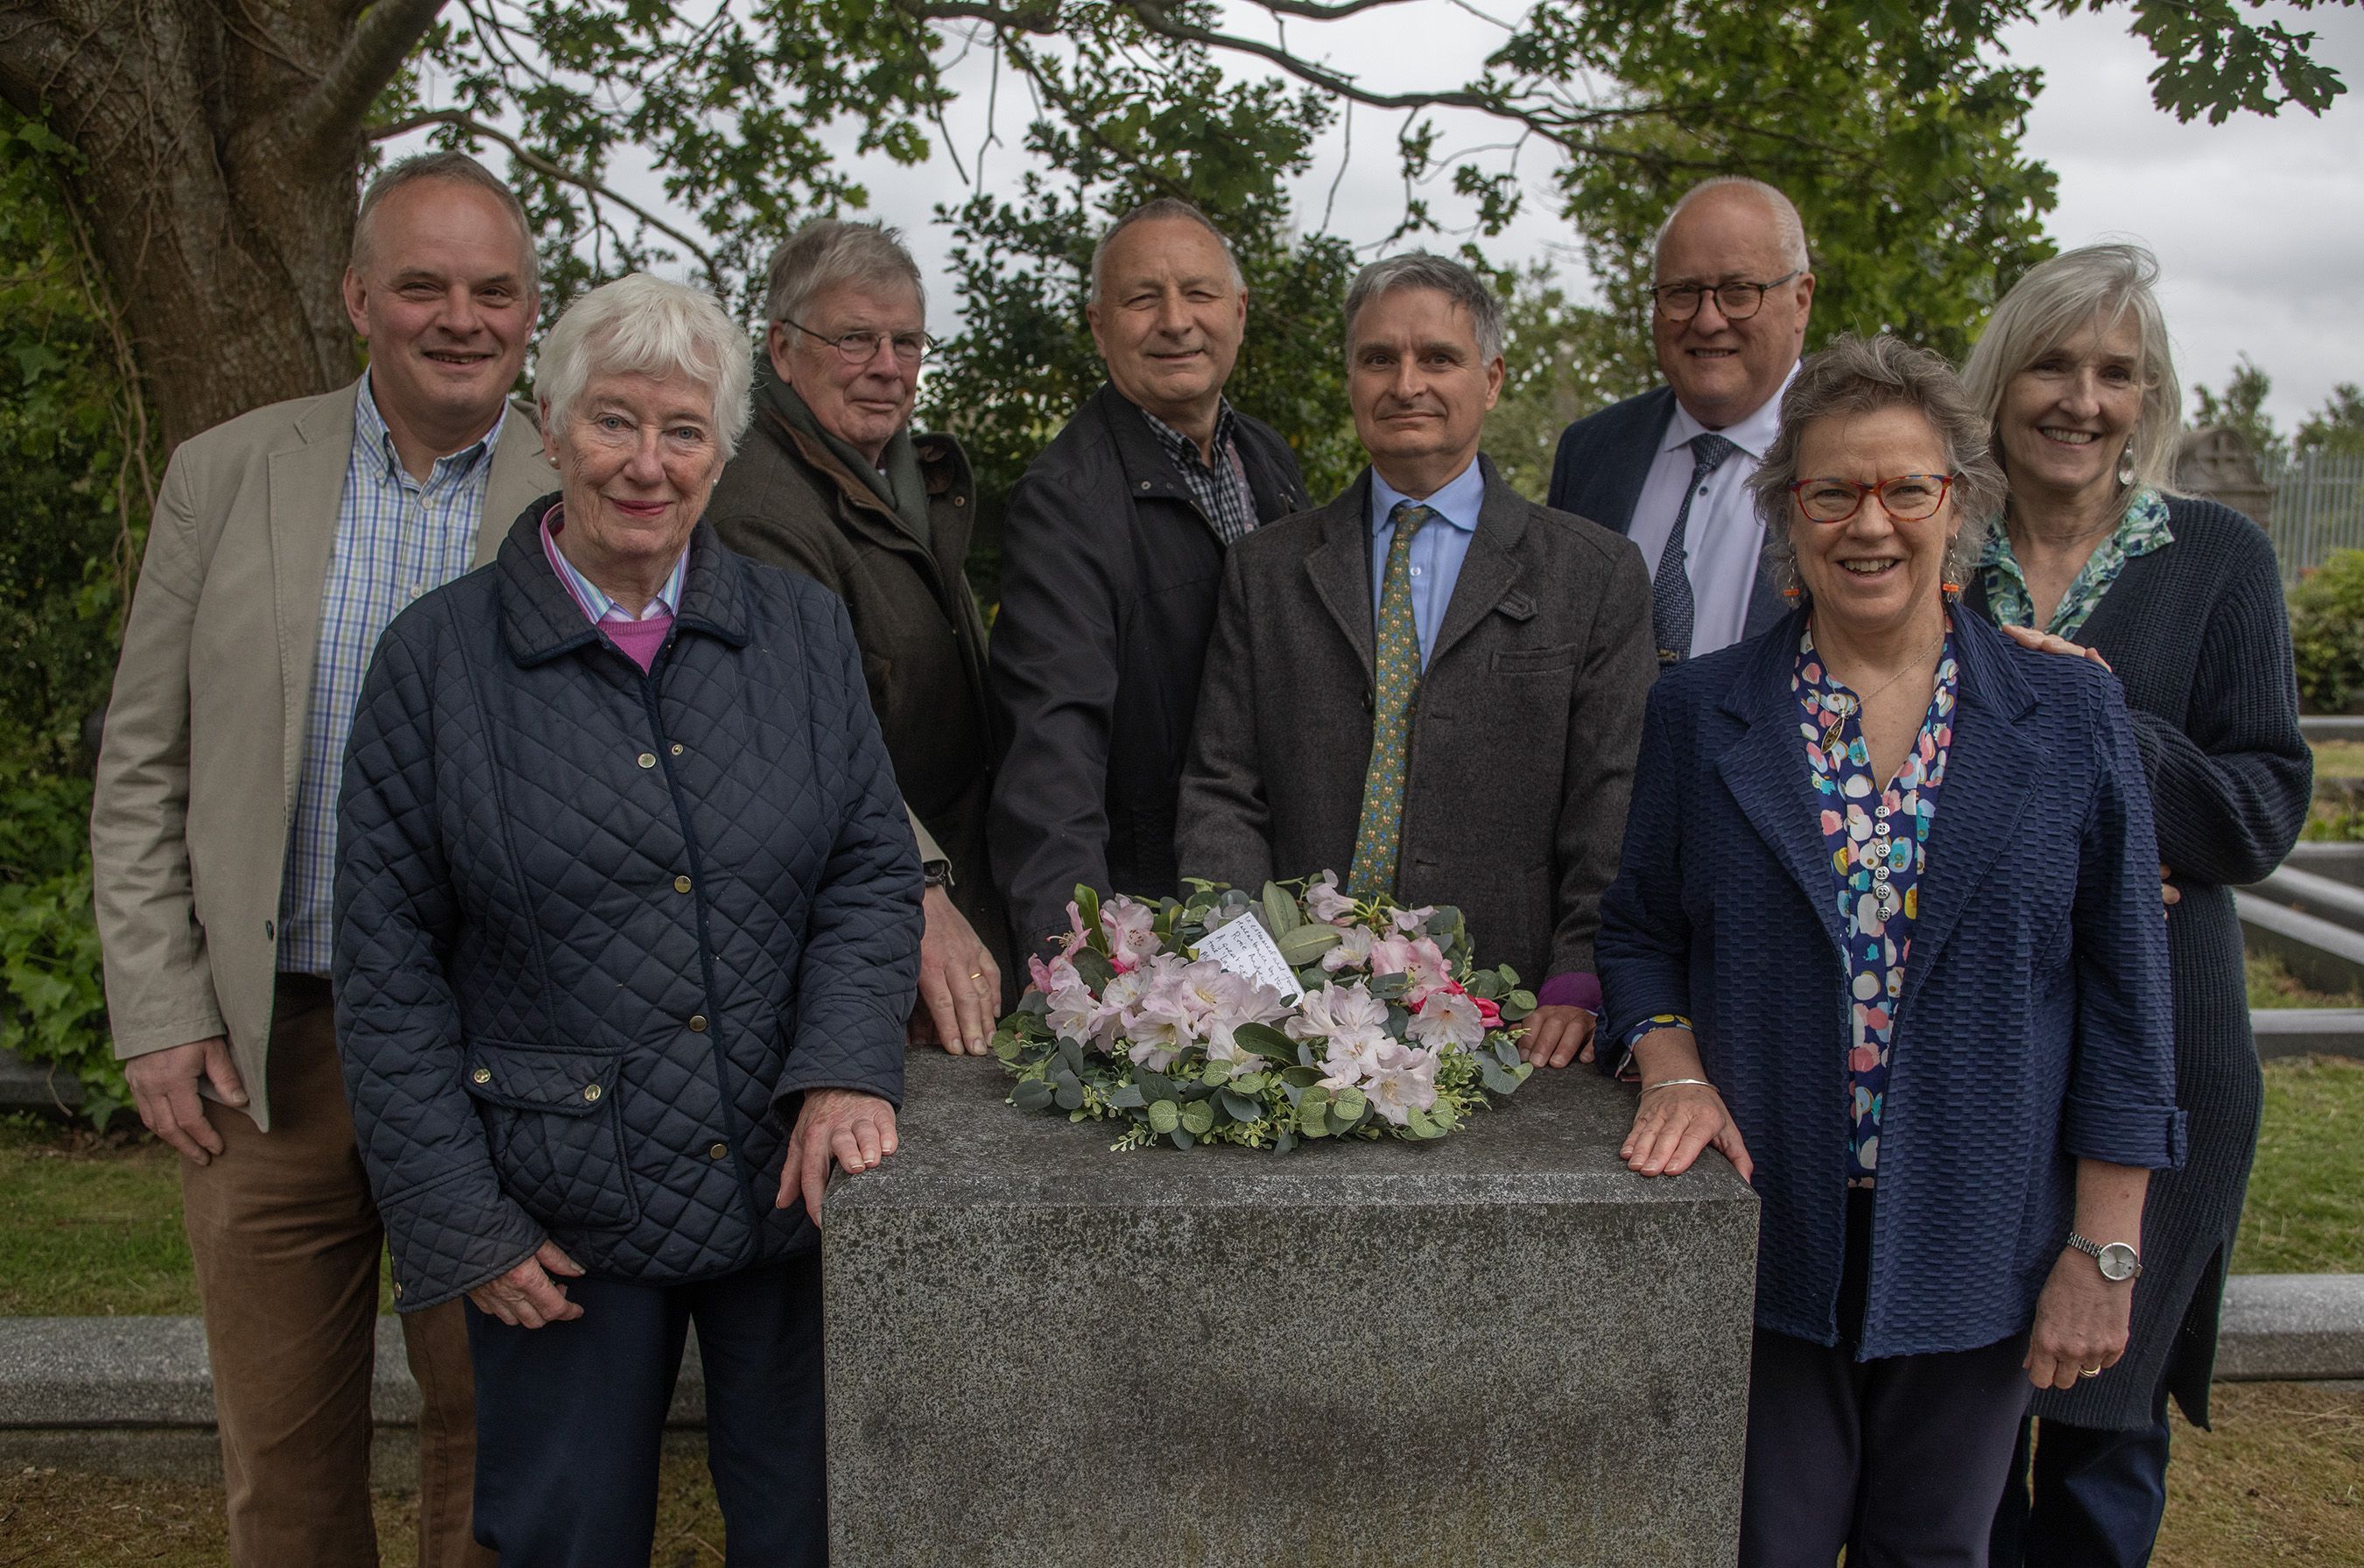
{"points": [[380, 42], [471, 126]]}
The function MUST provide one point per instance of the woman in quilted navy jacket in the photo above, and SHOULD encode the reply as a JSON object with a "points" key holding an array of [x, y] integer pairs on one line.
{"points": [[1888, 934], [627, 930]]}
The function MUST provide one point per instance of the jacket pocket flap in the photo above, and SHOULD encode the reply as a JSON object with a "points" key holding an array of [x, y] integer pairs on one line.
{"points": [[526, 1078], [1512, 661]]}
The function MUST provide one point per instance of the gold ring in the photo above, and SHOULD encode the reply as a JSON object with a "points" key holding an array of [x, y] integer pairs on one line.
{"points": [[976, 975], [2088, 1372]]}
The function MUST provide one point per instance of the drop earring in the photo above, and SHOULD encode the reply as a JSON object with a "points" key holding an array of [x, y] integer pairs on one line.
{"points": [[2126, 466]]}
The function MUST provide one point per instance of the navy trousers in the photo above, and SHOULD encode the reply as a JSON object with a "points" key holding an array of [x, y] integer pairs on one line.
{"points": [[1899, 1459], [2090, 1499], [569, 1418]]}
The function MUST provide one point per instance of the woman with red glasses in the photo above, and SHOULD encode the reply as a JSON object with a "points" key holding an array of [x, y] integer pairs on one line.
{"points": [[1886, 935]]}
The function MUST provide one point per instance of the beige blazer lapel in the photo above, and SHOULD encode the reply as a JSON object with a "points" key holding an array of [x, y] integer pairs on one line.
{"points": [[307, 491], [521, 475]]}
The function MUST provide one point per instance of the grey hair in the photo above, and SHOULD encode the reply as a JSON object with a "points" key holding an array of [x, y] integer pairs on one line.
{"points": [[1864, 375], [2098, 286], [644, 326], [1163, 207], [826, 252], [1420, 270], [1789, 229], [454, 168]]}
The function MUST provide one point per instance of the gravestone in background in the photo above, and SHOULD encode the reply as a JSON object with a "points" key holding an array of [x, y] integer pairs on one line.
{"points": [[1498, 1351]]}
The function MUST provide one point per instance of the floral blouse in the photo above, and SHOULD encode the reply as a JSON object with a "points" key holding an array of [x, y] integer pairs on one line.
{"points": [[2143, 529], [1878, 844]]}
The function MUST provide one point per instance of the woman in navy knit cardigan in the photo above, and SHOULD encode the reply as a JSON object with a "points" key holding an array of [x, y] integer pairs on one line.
{"points": [[1888, 935], [2181, 599]]}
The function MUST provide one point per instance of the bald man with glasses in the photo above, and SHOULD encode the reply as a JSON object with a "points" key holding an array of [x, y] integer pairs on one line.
{"points": [[1669, 468]]}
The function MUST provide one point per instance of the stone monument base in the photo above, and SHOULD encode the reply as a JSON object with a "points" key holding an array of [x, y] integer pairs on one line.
{"points": [[1498, 1349]]}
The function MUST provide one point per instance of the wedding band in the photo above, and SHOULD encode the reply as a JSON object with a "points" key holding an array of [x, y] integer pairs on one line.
{"points": [[2088, 1372], [976, 975]]}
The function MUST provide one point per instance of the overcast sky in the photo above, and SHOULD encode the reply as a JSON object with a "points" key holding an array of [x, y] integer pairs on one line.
{"points": [[2259, 224]]}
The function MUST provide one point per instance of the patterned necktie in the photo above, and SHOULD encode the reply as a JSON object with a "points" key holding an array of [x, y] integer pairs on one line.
{"points": [[1381, 831], [1671, 609]]}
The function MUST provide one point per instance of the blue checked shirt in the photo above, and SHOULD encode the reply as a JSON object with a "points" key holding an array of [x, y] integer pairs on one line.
{"points": [[397, 538]]}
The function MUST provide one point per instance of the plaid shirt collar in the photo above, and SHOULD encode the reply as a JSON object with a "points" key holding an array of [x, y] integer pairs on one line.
{"points": [[589, 597], [1219, 488], [372, 436]]}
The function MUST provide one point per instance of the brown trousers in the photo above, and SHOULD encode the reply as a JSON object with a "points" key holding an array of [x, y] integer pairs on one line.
{"points": [[287, 1243]]}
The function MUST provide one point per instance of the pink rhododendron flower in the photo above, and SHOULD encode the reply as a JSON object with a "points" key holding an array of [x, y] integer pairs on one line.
{"points": [[1404, 1081], [1324, 901], [1447, 1018], [1055, 976], [1412, 919], [1076, 936], [1131, 936], [1353, 951]]}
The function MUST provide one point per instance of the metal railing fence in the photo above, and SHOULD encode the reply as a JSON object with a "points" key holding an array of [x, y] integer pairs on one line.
{"points": [[2318, 508]]}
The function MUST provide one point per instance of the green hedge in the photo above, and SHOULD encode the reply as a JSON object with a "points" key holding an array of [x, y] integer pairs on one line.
{"points": [[2326, 612]]}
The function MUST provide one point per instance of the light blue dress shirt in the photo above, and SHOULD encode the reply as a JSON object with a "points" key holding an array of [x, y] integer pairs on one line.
{"points": [[1437, 550]]}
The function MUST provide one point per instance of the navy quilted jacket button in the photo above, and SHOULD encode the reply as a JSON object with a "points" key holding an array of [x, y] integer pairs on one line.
{"points": [[482, 1075], [676, 748], [717, 1152], [681, 885], [697, 1023], [590, 1091], [648, 759], [397, 1290]]}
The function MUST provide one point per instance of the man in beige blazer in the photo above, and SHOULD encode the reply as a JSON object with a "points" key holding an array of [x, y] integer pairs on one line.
{"points": [[283, 542]]}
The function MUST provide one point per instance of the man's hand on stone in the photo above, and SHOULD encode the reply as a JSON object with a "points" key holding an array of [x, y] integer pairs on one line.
{"points": [[1557, 1035], [855, 1130], [960, 986], [526, 1296], [164, 1090]]}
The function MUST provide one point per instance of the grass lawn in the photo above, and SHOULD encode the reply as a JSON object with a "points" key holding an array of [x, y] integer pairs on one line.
{"points": [[2271, 984], [2279, 1480], [2339, 759], [89, 1226], [2305, 1212]]}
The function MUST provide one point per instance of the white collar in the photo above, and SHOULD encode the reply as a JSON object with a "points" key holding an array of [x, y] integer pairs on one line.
{"points": [[1753, 435]]}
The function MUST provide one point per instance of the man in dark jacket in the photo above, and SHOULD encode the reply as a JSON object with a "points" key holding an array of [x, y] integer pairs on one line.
{"points": [[1669, 468], [1112, 550], [1432, 686], [831, 483]]}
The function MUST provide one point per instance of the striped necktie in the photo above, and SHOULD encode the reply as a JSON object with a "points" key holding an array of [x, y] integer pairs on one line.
{"points": [[1380, 834], [1671, 607]]}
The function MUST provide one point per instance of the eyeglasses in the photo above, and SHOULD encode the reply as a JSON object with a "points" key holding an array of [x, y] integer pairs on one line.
{"points": [[1738, 301], [1908, 498], [858, 348]]}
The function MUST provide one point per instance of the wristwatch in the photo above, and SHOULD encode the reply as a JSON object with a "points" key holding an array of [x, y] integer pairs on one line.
{"points": [[2117, 1260], [936, 874]]}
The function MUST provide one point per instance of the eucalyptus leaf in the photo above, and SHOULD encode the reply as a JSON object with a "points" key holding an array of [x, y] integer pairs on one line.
{"points": [[1034, 1095], [1301, 1077], [1198, 1116], [1350, 1105], [1251, 1082], [1281, 916], [1495, 1079], [1215, 1072], [1239, 1106], [1303, 946], [1164, 1116], [1126, 1097], [1312, 1117], [1070, 1095], [1523, 999], [1154, 1087], [1183, 1138], [1265, 1041]]}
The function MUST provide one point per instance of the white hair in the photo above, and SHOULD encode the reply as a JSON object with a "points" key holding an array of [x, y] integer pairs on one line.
{"points": [[2096, 286], [644, 326], [1788, 229], [827, 251], [1164, 208]]}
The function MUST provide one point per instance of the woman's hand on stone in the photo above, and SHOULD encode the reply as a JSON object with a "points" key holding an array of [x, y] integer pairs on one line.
{"points": [[960, 986], [527, 1297], [1674, 1123], [855, 1130], [2081, 1323]]}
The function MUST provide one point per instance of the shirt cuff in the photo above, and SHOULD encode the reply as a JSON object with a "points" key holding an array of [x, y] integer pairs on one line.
{"points": [[1573, 989]]}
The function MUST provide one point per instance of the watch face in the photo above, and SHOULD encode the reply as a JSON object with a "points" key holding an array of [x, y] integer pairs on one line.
{"points": [[2119, 1262]]}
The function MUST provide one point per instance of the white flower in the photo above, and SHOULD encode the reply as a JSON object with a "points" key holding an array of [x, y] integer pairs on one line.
{"points": [[1324, 901], [1446, 1019], [1402, 1082], [1353, 951]]}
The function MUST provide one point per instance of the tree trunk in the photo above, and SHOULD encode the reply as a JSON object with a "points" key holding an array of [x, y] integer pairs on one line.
{"points": [[218, 143]]}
